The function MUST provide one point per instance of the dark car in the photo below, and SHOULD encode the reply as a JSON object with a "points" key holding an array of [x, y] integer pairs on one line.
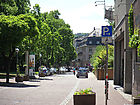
{"points": [[82, 72]]}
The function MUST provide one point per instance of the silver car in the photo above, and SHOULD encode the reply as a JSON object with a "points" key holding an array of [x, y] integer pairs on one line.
{"points": [[82, 72]]}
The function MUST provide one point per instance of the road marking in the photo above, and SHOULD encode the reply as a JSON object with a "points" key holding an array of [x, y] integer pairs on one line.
{"points": [[67, 99]]}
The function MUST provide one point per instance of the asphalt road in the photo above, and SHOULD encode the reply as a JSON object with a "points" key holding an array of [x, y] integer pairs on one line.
{"points": [[50, 90], [56, 90]]}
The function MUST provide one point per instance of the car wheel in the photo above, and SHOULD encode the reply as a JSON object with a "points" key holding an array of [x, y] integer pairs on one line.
{"points": [[77, 76], [86, 76]]}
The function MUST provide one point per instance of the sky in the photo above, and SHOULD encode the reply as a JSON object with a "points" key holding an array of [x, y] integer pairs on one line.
{"points": [[81, 15]]}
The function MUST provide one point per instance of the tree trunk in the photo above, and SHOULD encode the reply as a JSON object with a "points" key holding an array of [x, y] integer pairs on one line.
{"points": [[7, 62], [7, 70]]}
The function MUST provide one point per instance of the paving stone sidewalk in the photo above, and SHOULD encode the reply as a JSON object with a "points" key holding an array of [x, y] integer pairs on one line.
{"points": [[116, 96]]}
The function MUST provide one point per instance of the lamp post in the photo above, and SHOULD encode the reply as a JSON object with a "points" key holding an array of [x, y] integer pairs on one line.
{"points": [[99, 3], [40, 58], [17, 50]]}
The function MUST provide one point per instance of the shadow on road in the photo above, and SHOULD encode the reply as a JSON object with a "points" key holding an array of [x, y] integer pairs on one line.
{"points": [[44, 79], [34, 80], [17, 85]]}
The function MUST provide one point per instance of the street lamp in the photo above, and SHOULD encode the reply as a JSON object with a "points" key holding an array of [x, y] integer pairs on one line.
{"points": [[17, 50], [102, 3], [40, 58]]}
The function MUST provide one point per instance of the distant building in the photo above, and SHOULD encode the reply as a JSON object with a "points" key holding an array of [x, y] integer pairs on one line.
{"points": [[85, 47]]}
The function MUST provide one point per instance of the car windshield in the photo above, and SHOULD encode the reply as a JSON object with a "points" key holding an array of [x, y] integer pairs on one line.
{"points": [[83, 68]]}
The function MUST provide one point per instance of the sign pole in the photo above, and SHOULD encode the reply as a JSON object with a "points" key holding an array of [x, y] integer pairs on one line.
{"points": [[106, 38], [106, 74]]}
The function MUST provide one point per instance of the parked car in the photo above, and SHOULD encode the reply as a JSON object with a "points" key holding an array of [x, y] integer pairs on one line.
{"points": [[62, 69], [43, 71], [52, 71], [82, 71]]}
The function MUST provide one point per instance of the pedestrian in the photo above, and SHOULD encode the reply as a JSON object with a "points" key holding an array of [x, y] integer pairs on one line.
{"points": [[74, 71]]}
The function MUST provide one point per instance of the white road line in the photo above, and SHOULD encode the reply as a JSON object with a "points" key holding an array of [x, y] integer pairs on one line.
{"points": [[70, 94]]}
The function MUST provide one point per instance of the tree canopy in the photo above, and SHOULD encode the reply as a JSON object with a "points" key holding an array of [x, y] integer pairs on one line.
{"points": [[33, 31]]}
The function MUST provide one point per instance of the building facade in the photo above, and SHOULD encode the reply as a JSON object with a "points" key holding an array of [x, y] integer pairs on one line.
{"points": [[123, 53], [135, 52], [85, 47], [126, 60]]}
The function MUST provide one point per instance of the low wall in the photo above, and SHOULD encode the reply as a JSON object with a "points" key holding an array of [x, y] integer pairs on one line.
{"points": [[100, 74]]}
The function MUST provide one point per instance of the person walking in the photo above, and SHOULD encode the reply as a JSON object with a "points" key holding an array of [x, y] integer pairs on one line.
{"points": [[74, 71]]}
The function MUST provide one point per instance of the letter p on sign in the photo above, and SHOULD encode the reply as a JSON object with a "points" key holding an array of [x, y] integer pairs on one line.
{"points": [[106, 31]]}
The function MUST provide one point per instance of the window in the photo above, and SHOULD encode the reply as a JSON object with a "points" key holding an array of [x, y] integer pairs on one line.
{"points": [[98, 42], [90, 49], [90, 42]]}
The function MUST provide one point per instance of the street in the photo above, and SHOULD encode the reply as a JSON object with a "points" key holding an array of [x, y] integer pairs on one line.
{"points": [[56, 90]]}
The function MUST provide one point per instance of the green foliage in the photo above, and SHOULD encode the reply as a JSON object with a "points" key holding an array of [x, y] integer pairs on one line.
{"points": [[98, 58], [134, 41], [55, 41], [14, 29], [95, 61], [14, 7], [84, 91], [23, 6], [130, 22], [110, 56], [8, 7], [41, 33], [133, 33]]}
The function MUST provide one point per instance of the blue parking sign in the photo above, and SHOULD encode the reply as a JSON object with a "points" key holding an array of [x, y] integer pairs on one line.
{"points": [[106, 31]]}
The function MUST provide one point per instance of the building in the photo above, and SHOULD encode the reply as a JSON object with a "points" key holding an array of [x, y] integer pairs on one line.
{"points": [[123, 53], [85, 47], [135, 52], [127, 60]]}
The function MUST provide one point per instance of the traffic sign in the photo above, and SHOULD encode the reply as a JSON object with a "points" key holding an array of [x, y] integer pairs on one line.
{"points": [[106, 39], [106, 31]]}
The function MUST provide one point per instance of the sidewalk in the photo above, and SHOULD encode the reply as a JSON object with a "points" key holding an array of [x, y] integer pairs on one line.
{"points": [[116, 96]]}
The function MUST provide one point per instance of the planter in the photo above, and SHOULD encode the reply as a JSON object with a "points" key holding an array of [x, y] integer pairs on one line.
{"points": [[136, 100], [19, 79], [26, 78], [100, 74], [86, 99]]}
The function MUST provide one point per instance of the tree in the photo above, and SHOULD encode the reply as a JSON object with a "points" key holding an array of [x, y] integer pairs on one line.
{"points": [[8, 7], [98, 58], [67, 44], [14, 7], [13, 30], [23, 6], [52, 38], [39, 32]]}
